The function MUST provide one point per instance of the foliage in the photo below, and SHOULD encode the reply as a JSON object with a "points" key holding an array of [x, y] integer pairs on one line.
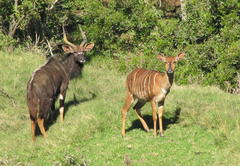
{"points": [[212, 43], [41, 19], [121, 25], [133, 32], [6, 42]]}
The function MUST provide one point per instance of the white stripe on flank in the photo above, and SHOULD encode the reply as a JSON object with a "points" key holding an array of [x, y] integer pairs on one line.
{"points": [[67, 75], [133, 83], [142, 87], [146, 90], [145, 84], [149, 81], [154, 81], [32, 77], [135, 75]]}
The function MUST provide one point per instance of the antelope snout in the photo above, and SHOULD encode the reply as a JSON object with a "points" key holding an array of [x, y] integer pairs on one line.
{"points": [[81, 57], [82, 60], [170, 71]]}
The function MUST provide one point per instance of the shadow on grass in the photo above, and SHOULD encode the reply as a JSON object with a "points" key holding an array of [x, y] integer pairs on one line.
{"points": [[149, 120], [51, 120]]}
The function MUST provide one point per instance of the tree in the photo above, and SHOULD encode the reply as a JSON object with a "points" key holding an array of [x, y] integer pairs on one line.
{"points": [[183, 9], [15, 22]]}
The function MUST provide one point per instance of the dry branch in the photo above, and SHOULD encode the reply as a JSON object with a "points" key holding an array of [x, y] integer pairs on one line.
{"points": [[4, 94]]}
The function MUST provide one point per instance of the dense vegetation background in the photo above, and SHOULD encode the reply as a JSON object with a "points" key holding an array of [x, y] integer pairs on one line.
{"points": [[130, 33]]}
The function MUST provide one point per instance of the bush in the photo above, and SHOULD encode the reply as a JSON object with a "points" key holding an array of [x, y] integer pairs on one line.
{"points": [[6, 43], [130, 33], [211, 37], [120, 26]]}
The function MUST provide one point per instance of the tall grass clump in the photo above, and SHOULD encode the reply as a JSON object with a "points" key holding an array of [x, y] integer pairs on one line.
{"points": [[216, 113]]}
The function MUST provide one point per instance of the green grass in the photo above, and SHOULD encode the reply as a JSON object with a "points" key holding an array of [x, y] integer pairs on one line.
{"points": [[201, 123]]}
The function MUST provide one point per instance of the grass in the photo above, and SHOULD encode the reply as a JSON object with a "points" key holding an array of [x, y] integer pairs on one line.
{"points": [[201, 123]]}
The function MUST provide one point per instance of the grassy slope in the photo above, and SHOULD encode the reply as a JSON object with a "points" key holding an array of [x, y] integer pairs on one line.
{"points": [[206, 132]]}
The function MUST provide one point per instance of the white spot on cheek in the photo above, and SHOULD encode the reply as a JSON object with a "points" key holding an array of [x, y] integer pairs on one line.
{"points": [[61, 97]]}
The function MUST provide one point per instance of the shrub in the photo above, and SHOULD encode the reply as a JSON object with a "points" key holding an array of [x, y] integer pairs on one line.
{"points": [[6, 42]]}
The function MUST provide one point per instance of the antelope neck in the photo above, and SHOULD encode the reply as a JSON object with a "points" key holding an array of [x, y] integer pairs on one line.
{"points": [[73, 67], [170, 77]]}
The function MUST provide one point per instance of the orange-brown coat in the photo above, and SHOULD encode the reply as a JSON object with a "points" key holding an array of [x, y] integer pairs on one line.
{"points": [[149, 86]]}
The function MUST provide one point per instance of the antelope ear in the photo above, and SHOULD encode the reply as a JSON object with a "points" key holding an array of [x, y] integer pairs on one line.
{"points": [[161, 57], [68, 48], [180, 56], [88, 46]]}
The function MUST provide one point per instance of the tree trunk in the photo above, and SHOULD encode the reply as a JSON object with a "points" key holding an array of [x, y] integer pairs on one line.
{"points": [[14, 24], [183, 9]]}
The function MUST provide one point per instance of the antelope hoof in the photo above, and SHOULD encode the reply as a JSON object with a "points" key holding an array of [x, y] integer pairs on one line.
{"points": [[44, 135], [147, 130], [161, 134]]}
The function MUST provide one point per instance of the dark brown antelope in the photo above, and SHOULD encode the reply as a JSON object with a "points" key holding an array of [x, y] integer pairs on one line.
{"points": [[51, 79], [149, 86]]}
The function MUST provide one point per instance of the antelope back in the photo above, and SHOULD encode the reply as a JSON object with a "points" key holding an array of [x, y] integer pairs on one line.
{"points": [[146, 84], [142, 83]]}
